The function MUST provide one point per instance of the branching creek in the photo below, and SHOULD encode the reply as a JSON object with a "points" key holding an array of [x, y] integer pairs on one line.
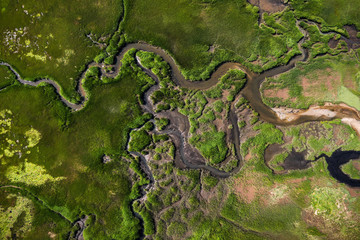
{"points": [[185, 153]]}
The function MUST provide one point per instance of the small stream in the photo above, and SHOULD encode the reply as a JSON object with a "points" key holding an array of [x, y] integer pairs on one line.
{"points": [[336, 160], [251, 92]]}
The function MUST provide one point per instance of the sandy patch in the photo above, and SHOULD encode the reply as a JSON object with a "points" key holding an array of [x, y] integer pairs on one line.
{"points": [[278, 195], [353, 123], [319, 112], [52, 235], [289, 114]]}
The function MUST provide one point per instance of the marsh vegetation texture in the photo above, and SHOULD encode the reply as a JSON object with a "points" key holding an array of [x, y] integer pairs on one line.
{"points": [[167, 119]]}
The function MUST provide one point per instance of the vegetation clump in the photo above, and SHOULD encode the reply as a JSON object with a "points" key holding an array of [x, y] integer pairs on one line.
{"points": [[139, 140]]}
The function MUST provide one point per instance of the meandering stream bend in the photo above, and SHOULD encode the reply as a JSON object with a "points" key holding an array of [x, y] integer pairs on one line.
{"points": [[251, 91]]}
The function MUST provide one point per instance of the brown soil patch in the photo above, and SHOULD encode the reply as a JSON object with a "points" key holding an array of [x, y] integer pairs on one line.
{"points": [[327, 79], [269, 5], [354, 192], [298, 180], [247, 193], [248, 187], [220, 124], [312, 219], [248, 157], [336, 132], [356, 165], [333, 43], [280, 93], [208, 195]]}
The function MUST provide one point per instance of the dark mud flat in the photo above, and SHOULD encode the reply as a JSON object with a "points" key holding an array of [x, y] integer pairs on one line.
{"points": [[296, 160], [335, 161]]}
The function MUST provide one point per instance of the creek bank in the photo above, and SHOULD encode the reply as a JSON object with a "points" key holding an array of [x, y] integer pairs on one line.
{"points": [[329, 111], [335, 161]]}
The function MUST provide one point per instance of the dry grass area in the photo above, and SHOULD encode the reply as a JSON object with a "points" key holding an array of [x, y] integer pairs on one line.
{"points": [[322, 84], [248, 187]]}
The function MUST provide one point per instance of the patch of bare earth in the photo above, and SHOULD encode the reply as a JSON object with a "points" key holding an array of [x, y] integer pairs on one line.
{"points": [[354, 192], [248, 187], [246, 192], [297, 180], [336, 135], [269, 5], [312, 219], [280, 93], [248, 157], [212, 48], [52, 235]]}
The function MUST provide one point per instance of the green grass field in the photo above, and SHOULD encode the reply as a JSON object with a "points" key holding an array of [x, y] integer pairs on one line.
{"points": [[188, 29], [71, 147], [48, 39]]}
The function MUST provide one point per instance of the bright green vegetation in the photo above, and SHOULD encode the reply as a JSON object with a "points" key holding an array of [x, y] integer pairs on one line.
{"points": [[324, 79], [139, 140], [48, 38], [33, 137], [161, 123], [21, 214], [318, 42], [350, 98], [211, 145], [349, 169], [325, 201], [30, 174], [233, 80]]}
